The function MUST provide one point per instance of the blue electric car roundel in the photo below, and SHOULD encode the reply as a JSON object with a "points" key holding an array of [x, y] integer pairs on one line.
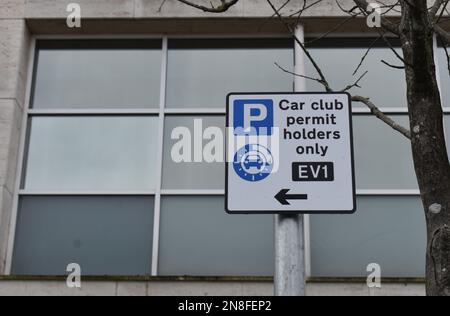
{"points": [[253, 163]]}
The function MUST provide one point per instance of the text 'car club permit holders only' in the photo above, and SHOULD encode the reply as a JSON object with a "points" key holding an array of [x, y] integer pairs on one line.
{"points": [[290, 153]]}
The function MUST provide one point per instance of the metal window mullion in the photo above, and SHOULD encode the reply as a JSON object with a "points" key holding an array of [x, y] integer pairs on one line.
{"points": [[193, 192], [388, 192], [88, 112], [195, 111], [85, 193], [157, 208]]}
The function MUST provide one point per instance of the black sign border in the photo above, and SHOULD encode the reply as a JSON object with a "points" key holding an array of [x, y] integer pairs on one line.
{"points": [[285, 212]]}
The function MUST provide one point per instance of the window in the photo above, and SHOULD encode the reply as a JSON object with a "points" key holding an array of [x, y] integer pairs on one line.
{"points": [[197, 237], [340, 57], [388, 230], [98, 158], [97, 74], [91, 159], [193, 175], [383, 159], [202, 72], [105, 235], [103, 153], [221, 245]]}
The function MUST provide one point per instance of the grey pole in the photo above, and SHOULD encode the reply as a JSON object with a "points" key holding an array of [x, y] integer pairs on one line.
{"points": [[289, 256], [289, 229]]}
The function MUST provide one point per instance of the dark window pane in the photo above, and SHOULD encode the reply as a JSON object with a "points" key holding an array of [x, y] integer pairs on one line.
{"points": [[386, 230], [199, 238], [105, 235]]}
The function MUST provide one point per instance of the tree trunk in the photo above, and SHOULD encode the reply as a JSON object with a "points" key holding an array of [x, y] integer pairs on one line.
{"points": [[428, 141]]}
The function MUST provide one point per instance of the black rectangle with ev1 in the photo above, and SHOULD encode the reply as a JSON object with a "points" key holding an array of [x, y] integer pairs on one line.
{"points": [[312, 171]]}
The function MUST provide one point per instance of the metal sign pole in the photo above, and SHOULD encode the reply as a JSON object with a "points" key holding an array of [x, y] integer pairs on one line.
{"points": [[289, 229], [289, 256]]}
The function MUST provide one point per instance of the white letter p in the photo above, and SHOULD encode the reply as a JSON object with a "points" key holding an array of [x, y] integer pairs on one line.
{"points": [[249, 118]]}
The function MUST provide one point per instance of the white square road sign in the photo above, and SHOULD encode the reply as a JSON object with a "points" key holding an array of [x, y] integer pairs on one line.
{"points": [[290, 153]]}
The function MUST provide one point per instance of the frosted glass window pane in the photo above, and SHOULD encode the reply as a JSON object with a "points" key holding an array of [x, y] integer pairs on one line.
{"points": [[383, 157], [192, 175], [104, 235], [445, 77], [199, 238], [105, 153], [201, 73], [98, 74], [389, 231], [385, 86]]}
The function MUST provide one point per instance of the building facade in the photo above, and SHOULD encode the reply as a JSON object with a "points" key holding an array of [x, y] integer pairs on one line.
{"points": [[88, 120]]}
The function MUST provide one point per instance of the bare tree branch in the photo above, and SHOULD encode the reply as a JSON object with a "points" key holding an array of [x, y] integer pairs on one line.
{"points": [[366, 101], [299, 75], [444, 8], [382, 31], [362, 4], [224, 6], [392, 66], [442, 33], [323, 81], [332, 30], [356, 84], [350, 11], [365, 55], [385, 23], [161, 6], [391, 7], [304, 8], [302, 45], [379, 114], [436, 6], [274, 15]]}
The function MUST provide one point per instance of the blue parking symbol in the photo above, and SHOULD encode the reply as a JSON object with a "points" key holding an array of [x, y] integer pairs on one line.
{"points": [[253, 117]]}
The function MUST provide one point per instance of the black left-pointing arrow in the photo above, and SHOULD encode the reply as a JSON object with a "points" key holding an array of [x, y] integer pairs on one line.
{"points": [[283, 197]]}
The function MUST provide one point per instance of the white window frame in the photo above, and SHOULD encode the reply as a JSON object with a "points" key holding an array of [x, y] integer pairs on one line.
{"points": [[162, 112]]}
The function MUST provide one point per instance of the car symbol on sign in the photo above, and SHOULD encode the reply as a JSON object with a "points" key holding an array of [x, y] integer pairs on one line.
{"points": [[253, 161]]}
